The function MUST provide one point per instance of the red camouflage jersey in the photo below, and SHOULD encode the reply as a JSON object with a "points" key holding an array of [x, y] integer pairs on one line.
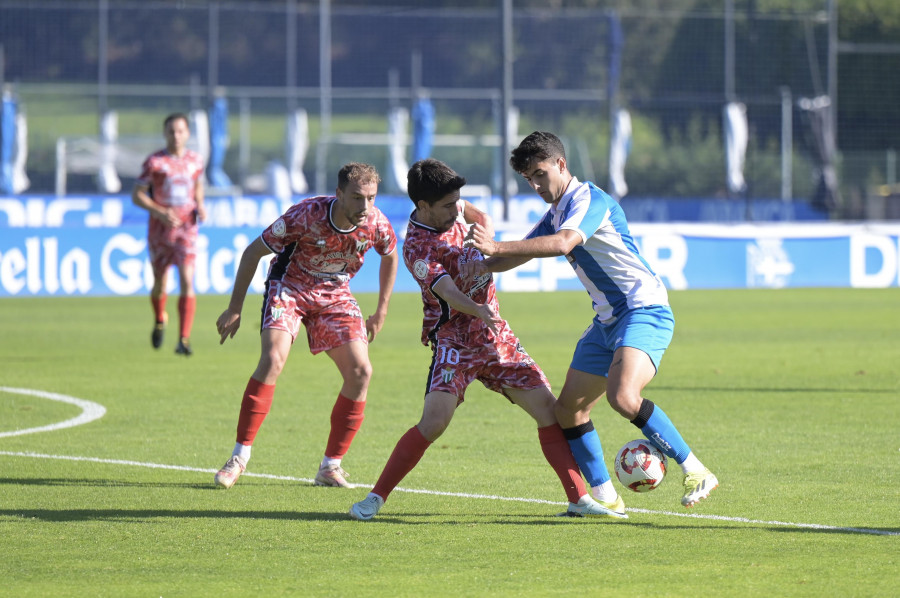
{"points": [[311, 251], [173, 179], [430, 256]]}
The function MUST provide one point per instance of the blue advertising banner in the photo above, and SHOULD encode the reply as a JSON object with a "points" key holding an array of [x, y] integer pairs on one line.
{"points": [[113, 261], [97, 246]]}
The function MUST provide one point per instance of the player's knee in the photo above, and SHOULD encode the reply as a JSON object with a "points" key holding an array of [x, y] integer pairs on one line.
{"points": [[625, 404], [363, 372], [432, 428], [270, 365]]}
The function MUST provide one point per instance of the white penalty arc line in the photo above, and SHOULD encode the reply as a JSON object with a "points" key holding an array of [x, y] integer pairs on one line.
{"points": [[90, 411], [856, 530]]}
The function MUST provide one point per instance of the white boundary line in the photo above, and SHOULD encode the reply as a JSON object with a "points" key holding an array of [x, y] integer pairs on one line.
{"points": [[857, 530], [92, 411]]}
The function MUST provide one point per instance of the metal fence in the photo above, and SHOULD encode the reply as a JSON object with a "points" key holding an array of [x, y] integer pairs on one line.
{"points": [[67, 63]]}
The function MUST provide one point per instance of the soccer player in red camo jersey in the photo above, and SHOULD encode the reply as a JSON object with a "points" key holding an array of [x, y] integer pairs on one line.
{"points": [[319, 245], [469, 341], [170, 187]]}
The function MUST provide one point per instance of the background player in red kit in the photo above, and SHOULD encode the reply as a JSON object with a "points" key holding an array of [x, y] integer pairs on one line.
{"points": [[170, 187], [469, 341], [320, 244]]}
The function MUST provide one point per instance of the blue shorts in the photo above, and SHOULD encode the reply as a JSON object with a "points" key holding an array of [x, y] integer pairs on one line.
{"points": [[646, 328]]}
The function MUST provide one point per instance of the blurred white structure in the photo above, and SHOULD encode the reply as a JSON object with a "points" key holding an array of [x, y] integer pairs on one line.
{"points": [[736, 136]]}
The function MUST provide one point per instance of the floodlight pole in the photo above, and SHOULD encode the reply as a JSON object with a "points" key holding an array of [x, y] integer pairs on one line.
{"points": [[324, 93], [506, 15], [103, 41], [833, 68], [787, 143], [729, 50], [212, 65], [291, 58]]}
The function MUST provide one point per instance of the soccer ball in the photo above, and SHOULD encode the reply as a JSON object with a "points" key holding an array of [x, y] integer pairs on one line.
{"points": [[640, 466]]}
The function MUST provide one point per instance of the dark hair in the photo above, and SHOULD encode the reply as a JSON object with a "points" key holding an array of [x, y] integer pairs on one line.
{"points": [[537, 147], [176, 116], [429, 180], [357, 172]]}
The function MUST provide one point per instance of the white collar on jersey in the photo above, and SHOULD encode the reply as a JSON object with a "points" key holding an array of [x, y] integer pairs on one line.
{"points": [[568, 194]]}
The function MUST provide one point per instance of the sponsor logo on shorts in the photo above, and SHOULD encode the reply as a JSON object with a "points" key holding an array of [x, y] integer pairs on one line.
{"points": [[420, 269], [279, 228], [619, 341], [447, 375]]}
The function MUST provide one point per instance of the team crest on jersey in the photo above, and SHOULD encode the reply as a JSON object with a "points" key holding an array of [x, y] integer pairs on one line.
{"points": [[526, 358], [420, 269], [447, 375], [361, 245], [279, 227]]}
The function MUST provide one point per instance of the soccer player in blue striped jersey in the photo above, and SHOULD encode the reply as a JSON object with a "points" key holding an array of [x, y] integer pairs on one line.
{"points": [[621, 350]]}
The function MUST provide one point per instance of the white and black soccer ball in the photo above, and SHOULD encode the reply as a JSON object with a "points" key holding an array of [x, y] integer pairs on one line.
{"points": [[640, 466]]}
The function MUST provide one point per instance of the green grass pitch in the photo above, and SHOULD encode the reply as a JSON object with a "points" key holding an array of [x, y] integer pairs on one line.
{"points": [[790, 396]]}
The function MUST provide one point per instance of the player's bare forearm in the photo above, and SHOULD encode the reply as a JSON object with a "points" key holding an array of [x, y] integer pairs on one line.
{"points": [[244, 275], [502, 264], [387, 274], [142, 199], [456, 299], [553, 245], [199, 199]]}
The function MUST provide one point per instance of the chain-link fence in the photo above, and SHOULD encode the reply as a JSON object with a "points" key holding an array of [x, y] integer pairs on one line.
{"points": [[674, 71]]}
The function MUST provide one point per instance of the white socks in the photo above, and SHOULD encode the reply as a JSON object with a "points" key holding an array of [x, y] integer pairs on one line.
{"points": [[242, 451], [327, 462], [691, 464], [605, 492]]}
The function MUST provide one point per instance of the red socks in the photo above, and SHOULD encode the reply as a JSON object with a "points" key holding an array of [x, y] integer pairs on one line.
{"points": [[346, 419], [406, 455], [159, 307], [559, 456], [186, 308], [254, 409]]}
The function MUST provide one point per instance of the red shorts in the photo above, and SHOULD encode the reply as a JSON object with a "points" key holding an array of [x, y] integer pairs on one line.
{"points": [[500, 364], [168, 246], [332, 319]]}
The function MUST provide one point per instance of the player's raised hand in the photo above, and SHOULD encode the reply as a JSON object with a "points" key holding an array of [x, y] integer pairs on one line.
{"points": [[489, 317], [481, 238], [228, 324]]}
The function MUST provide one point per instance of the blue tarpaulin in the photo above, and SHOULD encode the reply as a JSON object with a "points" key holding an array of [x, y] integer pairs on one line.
{"points": [[423, 129], [7, 143], [218, 143]]}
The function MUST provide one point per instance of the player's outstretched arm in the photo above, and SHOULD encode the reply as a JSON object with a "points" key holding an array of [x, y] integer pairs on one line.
{"points": [[230, 320], [387, 274], [449, 292], [560, 243]]}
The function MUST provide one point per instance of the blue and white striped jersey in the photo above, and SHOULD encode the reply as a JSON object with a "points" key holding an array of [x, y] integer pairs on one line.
{"points": [[607, 261]]}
